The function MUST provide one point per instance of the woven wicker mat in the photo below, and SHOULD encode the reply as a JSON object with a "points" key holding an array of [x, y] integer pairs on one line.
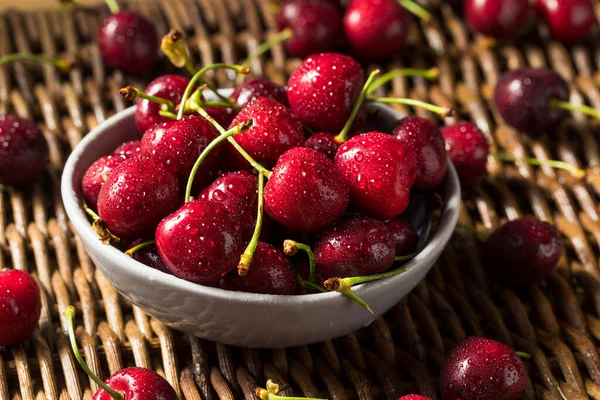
{"points": [[558, 322]]}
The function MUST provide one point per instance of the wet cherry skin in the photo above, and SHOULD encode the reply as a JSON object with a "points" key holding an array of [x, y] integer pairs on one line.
{"points": [[570, 21], [138, 384], [20, 306], [468, 149], [499, 19]]}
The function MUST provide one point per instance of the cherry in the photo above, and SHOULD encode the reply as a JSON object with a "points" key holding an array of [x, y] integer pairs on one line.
{"points": [[128, 42], [376, 29], [20, 306], [499, 19], [414, 397], [468, 150], [199, 242], [380, 171], [323, 90], [223, 115], [23, 151], [170, 87], [177, 144], [523, 251], [275, 129], [524, 97], [136, 196], [323, 142], [305, 192], [569, 20], [353, 247], [405, 236], [270, 273], [129, 149], [148, 255], [316, 26], [481, 368], [427, 142], [250, 90], [96, 175]]}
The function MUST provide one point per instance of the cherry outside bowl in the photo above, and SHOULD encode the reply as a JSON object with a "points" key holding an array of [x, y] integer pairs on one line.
{"points": [[248, 319]]}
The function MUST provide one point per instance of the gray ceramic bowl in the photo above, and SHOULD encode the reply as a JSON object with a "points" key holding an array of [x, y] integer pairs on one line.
{"points": [[246, 319]]}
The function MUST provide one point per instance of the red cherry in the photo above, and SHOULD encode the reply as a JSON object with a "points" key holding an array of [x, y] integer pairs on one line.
{"points": [[376, 29], [138, 384], [129, 149], [23, 151], [405, 236], [305, 192], [323, 142], [170, 87], [128, 42], [96, 175], [177, 144], [20, 306], [323, 90], [480, 368], [523, 251], [269, 273], [569, 20], [275, 130], [316, 26], [380, 171], [149, 256], [258, 87], [523, 99], [468, 150], [136, 196], [427, 142], [499, 19], [414, 397], [199, 242], [354, 247]]}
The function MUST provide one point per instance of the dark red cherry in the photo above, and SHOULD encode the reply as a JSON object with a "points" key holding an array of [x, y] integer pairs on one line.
{"points": [[170, 87], [480, 368], [136, 196], [200, 242], [177, 144], [354, 247], [150, 257], [128, 42], [20, 306], [269, 273], [468, 149], [323, 90], [316, 26], [250, 90], [138, 384], [569, 20], [523, 251], [223, 115], [523, 99], [23, 151], [499, 19], [274, 131], [129, 149], [376, 29], [306, 192], [414, 397], [323, 142], [427, 142], [96, 175], [380, 171], [405, 236]]}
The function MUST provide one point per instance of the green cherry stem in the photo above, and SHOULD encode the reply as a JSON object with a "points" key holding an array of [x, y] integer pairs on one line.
{"points": [[246, 257], [416, 9], [113, 6], [291, 247], [221, 104], [270, 393], [174, 48], [263, 48], [587, 110], [431, 74], [132, 93], [343, 284], [167, 114], [244, 126], [140, 246], [69, 314], [310, 285], [523, 355], [99, 226], [441, 111], [343, 135], [63, 65], [406, 257], [578, 172]]}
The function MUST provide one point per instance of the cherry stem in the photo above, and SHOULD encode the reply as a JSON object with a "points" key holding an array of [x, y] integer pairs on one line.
{"points": [[63, 65], [174, 48], [196, 107], [221, 104], [233, 131], [113, 6], [99, 227], [263, 48], [523, 355], [432, 73], [131, 93], [198, 77], [69, 314], [246, 257], [343, 284], [416, 9], [140, 246], [578, 172], [270, 393], [167, 114], [291, 247], [441, 111], [587, 110], [480, 235], [406, 257], [343, 135], [309, 284]]}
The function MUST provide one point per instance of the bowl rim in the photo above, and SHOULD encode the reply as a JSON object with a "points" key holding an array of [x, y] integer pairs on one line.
{"points": [[71, 199]]}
